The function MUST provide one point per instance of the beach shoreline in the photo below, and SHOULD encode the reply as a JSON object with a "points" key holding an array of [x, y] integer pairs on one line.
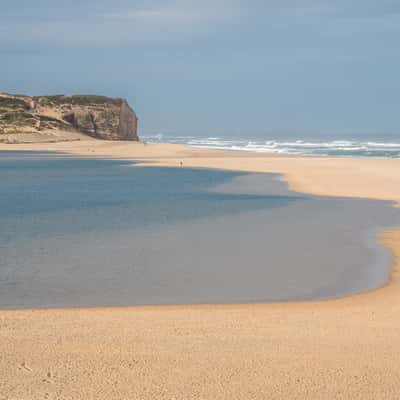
{"points": [[362, 177], [336, 348]]}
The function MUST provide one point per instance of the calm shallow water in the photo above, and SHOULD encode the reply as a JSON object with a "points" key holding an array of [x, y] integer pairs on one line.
{"points": [[85, 232]]}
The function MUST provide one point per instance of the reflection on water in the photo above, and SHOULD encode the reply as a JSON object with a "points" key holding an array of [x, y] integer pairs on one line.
{"points": [[83, 232]]}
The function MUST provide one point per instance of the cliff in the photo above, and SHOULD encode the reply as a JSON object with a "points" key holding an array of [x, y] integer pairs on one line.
{"points": [[58, 118]]}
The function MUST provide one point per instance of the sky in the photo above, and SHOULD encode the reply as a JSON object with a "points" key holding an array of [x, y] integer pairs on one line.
{"points": [[254, 68]]}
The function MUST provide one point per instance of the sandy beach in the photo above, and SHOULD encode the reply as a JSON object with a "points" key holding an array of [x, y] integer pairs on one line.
{"points": [[338, 349]]}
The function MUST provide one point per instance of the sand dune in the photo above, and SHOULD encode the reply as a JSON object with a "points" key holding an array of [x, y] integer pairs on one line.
{"points": [[338, 349]]}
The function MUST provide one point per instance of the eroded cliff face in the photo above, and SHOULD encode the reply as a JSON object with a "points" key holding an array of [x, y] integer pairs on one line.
{"points": [[54, 118]]}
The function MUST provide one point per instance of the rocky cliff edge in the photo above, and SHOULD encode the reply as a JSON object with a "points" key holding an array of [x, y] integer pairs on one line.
{"points": [[58, 118]]}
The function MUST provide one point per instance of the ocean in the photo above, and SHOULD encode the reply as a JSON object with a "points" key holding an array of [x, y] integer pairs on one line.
{"points": [[96, 232], [356, 146]]}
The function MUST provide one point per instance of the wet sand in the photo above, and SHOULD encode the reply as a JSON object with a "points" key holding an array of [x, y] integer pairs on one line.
{"points": [[345, 348]]}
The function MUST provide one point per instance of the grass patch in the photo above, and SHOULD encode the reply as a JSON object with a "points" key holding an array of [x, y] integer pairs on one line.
{"points": [[18, 118], [79, 100], [9, 102], [49, 100]]}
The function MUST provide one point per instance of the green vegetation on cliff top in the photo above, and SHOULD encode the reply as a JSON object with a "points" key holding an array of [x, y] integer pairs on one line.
{"points": [[81, 100], [9, 102]]}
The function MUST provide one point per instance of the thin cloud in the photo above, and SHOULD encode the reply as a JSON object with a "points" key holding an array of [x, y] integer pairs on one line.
{"points": [[116, 23], [177, 12], [150, 15], [120, 26]]}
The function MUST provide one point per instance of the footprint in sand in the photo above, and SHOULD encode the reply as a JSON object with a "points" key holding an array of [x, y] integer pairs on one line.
{"points": [[25, 367], [49, 378]]}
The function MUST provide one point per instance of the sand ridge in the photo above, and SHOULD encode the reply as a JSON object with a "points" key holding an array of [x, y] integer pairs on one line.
{"points": [[337, 349]]}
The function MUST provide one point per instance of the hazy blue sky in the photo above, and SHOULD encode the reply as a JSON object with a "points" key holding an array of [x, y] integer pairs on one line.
{"points": [[215, 66]]}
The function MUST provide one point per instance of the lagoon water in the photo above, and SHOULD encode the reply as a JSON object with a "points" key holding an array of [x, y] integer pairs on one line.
{"points": [[92, 232]]}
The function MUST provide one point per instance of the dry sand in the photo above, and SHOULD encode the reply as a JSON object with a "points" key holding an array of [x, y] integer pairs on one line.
{"points": [[338, 349]]}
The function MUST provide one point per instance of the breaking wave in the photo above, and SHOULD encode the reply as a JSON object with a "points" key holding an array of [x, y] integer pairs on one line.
{"points": [[350, 147]]}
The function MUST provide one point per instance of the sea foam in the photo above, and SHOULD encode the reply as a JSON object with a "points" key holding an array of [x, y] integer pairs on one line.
{"points": [[334, 147]]}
